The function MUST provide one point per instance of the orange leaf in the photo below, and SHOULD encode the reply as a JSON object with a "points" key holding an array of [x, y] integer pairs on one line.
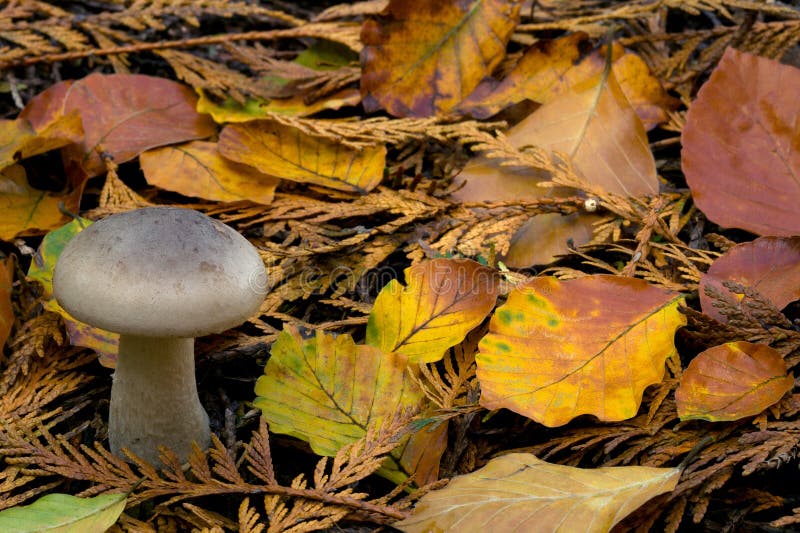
{"points": [[288, 153], [423, 57], [732, 381], [197, 169], [18, 140], [740, 145], [770, 265], [550, 68], [27, 211], [6, 310], [443, 300], [125, 114], [559, 349], [518, 492]]}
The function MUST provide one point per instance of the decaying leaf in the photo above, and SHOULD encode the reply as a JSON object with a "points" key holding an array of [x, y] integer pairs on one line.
{"points": [[105, 343], [732, 381], [252, 109], [518, 492], [327, 391], [197, 169], [6, 309], [740, 145], [770, 265], [125, 114], [28, 211], [288, 153], [559, 349], [442, 301], [18, 139], [63, 513], [422, 58], [551, 67]]}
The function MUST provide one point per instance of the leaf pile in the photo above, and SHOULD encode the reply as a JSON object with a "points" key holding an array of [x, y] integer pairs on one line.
{"points": [[535, 268]]}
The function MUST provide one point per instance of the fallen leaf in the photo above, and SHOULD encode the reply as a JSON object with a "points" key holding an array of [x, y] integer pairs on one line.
{"points": [[559, 349], [6, 309], [422, 58], [197, 169], [596, 127], [18, 139], [105, 343], [288, 153], [326, 390], [550, 68], [28, 211], [518, 492], [732, 381], [64, 513], [442, 301], [770, 265], [125, 114], [740, 145], [254, 109]]}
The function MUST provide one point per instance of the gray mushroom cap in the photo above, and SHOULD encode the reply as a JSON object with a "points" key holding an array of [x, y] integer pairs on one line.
{"points": [[160, 272]]}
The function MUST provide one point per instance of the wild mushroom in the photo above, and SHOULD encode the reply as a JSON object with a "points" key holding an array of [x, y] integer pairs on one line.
{"points": [[159, 276]]}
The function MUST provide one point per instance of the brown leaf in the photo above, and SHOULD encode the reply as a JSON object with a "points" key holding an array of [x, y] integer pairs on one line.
{"points": [[125, 114], [518, 492], [197, 169], [423, 57], [732, 381], [741, 145], [770, 265], [6, 309], [288, 153], [551, 67]]}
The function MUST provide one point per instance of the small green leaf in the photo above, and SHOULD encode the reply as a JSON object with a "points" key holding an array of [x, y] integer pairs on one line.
{"points": [[64, 514]]}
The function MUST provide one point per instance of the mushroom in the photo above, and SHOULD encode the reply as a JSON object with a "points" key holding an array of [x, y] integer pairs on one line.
{"points": [[159, 277]]}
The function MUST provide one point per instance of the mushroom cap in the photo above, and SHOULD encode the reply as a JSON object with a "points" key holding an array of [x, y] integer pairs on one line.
{"points": [[160, 272]]}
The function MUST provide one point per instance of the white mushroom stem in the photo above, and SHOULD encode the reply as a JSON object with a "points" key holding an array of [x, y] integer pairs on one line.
{"points": [[154, 398]]}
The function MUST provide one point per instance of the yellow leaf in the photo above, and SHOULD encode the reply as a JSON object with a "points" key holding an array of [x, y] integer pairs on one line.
{"points": [[559, 349], [518, 492], [232, 111], [443, 300], [327, 391], [423, 57], [18, 140], [27, 211], [288, 153], [197, 169], [732, 381]]}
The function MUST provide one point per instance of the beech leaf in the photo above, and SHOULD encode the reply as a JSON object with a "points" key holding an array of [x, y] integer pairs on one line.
{"points": [[423, 57], [740, 145], [732, 381], [442, 301], [63, 513], [770, 265], [559, 349], [288, 153], [518, 492]]}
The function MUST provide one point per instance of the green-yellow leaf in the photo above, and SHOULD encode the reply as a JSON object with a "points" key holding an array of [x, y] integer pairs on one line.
{"points": [[518, 492], [62, 513], [560, 349], [443, 300], [289, 153], [327, 391]]}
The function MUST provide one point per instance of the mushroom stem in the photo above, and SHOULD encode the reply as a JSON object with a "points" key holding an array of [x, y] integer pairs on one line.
{"points": [[154, 398]]}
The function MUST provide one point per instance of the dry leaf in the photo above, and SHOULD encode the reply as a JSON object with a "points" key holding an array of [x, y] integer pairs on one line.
{"points": [[197, 169], [559, 349], [18, 139], [6, 309], [732, 381], [232, 111], [442, 301], [740, 145], [518, 492], [288, 153], [770, 265], [125, 114], [423, 57]]}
